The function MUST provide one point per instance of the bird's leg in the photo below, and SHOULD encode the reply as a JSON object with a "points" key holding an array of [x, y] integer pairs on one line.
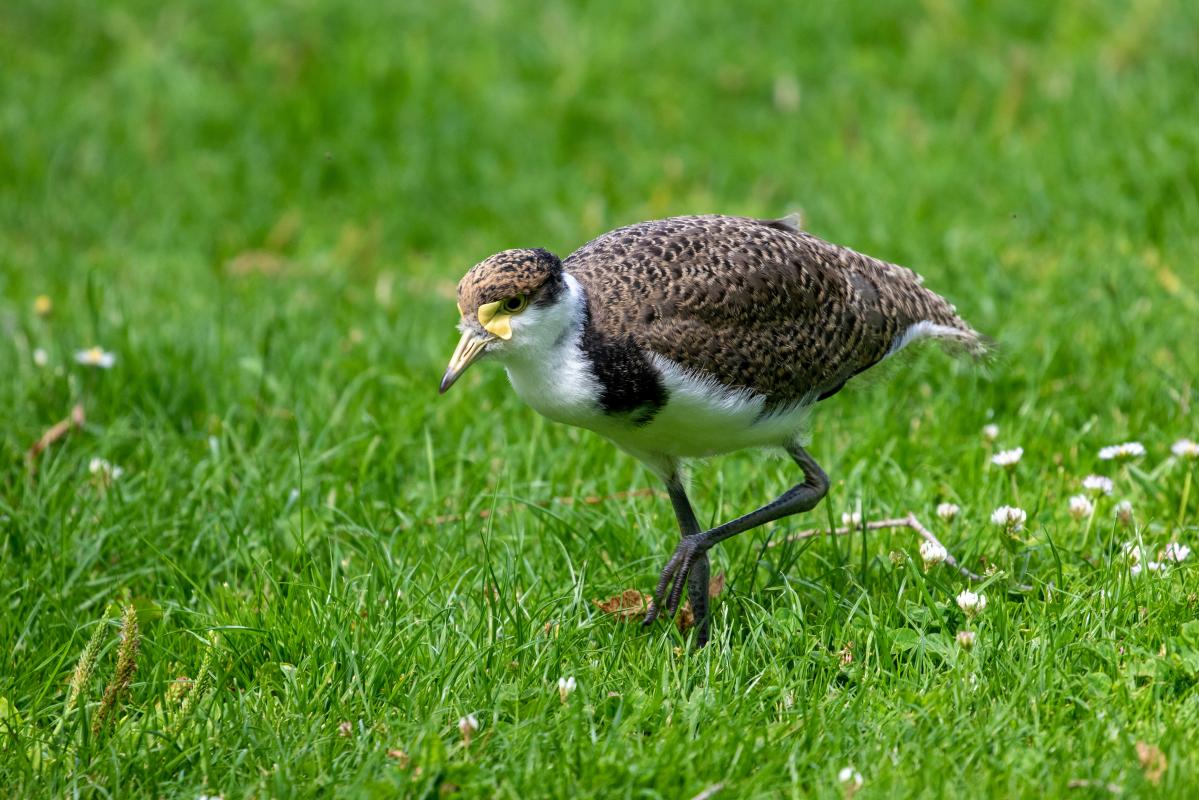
{"points": [[682, 567], [697, 581]]}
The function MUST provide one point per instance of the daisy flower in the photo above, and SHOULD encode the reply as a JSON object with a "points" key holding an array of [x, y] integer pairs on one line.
{"points": [[1185, 448], [1122, 452], [96, 357], [1008, 458], [1097, 484]]}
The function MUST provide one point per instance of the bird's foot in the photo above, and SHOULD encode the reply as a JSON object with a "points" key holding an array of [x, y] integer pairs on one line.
{"points": [[688, 567]]}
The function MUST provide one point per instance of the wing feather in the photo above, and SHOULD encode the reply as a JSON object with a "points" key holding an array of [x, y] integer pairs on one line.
{"points": [[756, 304]]}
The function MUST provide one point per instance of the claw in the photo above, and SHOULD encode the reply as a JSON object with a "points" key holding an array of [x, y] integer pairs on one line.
{"points": [[687, 556], [697, 594]]}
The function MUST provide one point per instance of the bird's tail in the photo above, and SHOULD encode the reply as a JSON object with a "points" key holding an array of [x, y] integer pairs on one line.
{"points": [[931, 316]]}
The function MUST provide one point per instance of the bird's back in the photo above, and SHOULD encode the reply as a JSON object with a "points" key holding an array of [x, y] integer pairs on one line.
{"points": [[757, 304]]}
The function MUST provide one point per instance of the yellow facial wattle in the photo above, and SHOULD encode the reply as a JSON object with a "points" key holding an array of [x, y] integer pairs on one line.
{"points": [[495, 320]]}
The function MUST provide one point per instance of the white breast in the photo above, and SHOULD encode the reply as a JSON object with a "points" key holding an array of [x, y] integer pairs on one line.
{"points": [[704, 418], [558, 385]]}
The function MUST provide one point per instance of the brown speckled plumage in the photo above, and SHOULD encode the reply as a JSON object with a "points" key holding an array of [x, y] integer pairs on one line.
{"points": [[756, 304]]}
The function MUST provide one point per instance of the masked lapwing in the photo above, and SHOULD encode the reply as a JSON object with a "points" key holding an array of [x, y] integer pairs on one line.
{"points": [[690, 337]]}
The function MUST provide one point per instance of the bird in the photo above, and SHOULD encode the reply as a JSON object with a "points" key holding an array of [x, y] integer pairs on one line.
{"points": [[689, 337]]}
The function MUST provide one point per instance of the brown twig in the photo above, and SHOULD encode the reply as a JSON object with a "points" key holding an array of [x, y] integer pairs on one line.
{"points": [[55, 432], [909, 521]]}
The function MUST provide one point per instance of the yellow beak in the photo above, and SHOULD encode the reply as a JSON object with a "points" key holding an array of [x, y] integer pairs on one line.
{"points": [[469, 348]]}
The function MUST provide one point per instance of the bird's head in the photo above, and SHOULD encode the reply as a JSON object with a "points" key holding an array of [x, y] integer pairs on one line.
{"points": [[509, 303]]}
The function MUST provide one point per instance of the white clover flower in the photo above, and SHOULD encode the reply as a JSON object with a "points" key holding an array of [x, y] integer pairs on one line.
{"points": [[972, 604], [991, 432], [96, 357], [948, 511], [1010, 518], [467, 726], [40, 357], [1185, 448], [1122, 452], [1131, 551], [1177, 551], [1081, 506], [850, 778], [1097, 484], [104, 471], [932, 553], [966, 639], [1008, 458], [851, 519], [1148, 566], [1124, 512], [565, 687]]}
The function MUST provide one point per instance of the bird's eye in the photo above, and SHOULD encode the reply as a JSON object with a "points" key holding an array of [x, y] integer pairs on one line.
{"points": [[516, 303]]}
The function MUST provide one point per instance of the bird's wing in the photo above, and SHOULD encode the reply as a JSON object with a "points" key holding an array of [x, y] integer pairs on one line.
{"points": [[756, 304]]}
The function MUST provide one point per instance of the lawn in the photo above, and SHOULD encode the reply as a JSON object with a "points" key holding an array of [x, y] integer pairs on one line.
{"points": [[322, 572]]}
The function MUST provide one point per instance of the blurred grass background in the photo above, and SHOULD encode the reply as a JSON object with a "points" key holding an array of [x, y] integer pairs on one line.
{"points": [[262, 209]]}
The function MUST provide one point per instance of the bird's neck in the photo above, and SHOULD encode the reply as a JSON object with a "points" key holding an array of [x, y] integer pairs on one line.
{"points": [[549, 370]]}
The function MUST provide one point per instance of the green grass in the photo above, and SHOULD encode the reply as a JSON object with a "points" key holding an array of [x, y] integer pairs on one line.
{"points": [[262, 211]]}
